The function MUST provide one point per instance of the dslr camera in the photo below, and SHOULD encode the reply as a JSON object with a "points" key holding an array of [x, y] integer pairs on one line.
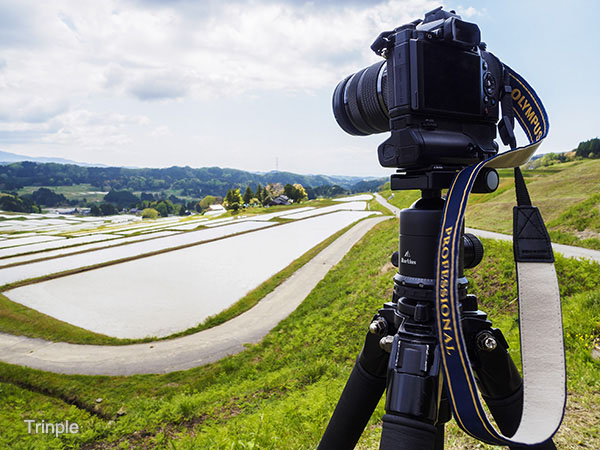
{"points": [[438, 91]]}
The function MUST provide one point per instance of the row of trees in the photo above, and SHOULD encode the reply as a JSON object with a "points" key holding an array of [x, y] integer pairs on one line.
{"points": [[234, 200], [15, 203], [119, 200], [589, 149]]}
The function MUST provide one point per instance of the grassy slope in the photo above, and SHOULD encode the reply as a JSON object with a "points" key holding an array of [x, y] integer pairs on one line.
{"points": [[564, 193], [567, 195], [279, 394]]}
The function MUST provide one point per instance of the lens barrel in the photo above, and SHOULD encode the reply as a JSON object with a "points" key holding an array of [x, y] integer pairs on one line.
{"points": [[360, 103]]}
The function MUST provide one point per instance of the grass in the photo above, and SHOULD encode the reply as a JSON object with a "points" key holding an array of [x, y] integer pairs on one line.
{"points": [[374, 205], [400, 199], [564, 193], [280, 393], [74, 192]]}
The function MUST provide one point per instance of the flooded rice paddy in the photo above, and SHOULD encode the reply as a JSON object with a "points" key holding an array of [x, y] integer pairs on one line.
{"points": [[169, 290]]}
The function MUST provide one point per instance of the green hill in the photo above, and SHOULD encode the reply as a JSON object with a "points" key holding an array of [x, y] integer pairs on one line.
{"points": [[567, 194], [186, 181], [280, 393]]}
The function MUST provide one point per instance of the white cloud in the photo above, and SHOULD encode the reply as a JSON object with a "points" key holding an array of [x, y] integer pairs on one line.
{"points": [[175, 49], [83, 61]]}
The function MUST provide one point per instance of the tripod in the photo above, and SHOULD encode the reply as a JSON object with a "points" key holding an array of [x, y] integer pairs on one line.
{"points": [[401, 354]]}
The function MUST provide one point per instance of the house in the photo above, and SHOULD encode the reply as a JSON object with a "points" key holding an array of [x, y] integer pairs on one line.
{"points": [[281, 200]]}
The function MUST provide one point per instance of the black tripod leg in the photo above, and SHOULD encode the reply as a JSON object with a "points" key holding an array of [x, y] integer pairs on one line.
{"points": [[498, 377], [364, 388], [507, 413]]}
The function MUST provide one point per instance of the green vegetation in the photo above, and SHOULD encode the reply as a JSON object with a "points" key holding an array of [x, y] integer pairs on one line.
{"points": [[588, 149], [186, 181], [565, 193], [149, 213], [400, 199], [280, 393], [14, 203]]}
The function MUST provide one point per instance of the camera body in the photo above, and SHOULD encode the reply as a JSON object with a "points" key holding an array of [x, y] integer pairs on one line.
{"points": [[438, 92]]}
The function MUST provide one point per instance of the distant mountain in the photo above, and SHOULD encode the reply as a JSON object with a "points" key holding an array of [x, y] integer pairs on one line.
{"points": [[186, 181], [7, 158]]}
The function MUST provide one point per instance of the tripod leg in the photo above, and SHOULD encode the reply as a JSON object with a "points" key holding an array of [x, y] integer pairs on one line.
{"points": [[353, 411], [497, 376], [362, 392]]}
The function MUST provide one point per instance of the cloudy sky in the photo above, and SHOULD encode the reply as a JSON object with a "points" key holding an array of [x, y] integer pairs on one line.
{"points": [[248, 84]]}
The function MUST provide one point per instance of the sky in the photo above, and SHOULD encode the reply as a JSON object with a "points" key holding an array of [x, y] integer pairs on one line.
{"points": [[248, 84]]}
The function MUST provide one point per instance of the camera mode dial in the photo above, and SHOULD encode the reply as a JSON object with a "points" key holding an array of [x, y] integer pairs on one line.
{"points": [[489, 84]]}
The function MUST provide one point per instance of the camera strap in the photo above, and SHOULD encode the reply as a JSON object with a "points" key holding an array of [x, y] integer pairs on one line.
{"points": [[540, 319]]}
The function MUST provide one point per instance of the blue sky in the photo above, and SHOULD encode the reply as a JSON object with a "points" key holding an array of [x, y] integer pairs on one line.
{"points": [[248, 84]]}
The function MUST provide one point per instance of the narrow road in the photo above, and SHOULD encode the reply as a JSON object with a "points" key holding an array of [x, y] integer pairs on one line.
{"points": [[188, 351], [567, 250]]}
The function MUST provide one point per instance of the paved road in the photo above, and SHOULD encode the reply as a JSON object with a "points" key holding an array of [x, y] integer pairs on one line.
{"points": [[389, 206], [567, 250], [189, 351]]}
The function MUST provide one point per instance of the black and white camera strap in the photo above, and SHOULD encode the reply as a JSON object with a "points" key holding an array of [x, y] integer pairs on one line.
{"points": [[540, 319]]}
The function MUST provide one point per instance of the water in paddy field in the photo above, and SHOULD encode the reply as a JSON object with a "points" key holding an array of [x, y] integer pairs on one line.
{"points": [[170, 292]]}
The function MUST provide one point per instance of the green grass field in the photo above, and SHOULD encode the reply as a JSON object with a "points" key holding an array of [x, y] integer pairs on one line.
{"points": [[75, 192], [280, 393], [567, 195]]}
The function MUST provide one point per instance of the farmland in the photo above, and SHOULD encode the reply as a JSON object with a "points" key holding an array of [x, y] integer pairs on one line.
{"points": [[127, 278]]}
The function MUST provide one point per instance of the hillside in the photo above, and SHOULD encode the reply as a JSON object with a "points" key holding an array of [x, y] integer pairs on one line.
{"points": [[186, 181], [567, 194]]}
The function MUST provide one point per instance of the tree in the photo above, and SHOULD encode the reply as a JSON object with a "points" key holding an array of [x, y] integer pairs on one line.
{"points": [[14, 203], [233, 199], [149, 213], [589, 149], [289, 191], [164, 208], [95, 210], [108, 209], [302, 195], [265, 198], [274, 189], [47, 197], [248, 195], [206, 202], [121, 198]]}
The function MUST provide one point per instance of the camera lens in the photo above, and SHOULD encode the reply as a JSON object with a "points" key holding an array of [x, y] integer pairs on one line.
{"points": [[360, 103]]}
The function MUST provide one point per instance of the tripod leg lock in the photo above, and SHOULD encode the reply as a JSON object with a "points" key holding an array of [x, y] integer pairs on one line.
{"points": [[413, 380]]}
